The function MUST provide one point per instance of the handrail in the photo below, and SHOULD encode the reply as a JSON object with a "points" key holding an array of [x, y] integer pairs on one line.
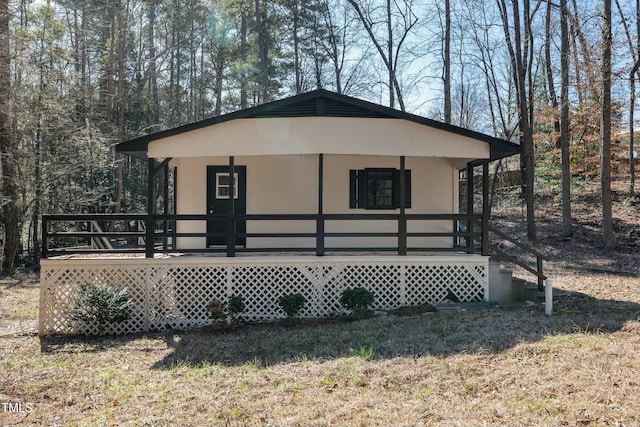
{"points": [[517, 243], [537, 271]]}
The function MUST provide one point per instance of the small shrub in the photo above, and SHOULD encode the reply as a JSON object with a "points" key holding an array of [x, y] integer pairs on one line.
{"points": [[292, 304], [102, 304], [216, 309], [357, 300], [235, 307]]}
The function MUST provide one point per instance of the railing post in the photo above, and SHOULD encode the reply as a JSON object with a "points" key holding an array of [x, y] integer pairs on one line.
{"points": [[470, 203], [44, 253], [151, 204], [402, 218], [174, 230], [320, 217], [540, 273], [165, 209], [485, 208], [456, 239]]}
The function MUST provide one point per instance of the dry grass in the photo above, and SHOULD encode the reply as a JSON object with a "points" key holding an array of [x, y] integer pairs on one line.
{"points": [[579, 367], [476, 367]]}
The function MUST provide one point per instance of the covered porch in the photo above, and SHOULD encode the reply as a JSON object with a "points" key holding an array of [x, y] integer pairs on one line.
{"points": [[401, 231]]}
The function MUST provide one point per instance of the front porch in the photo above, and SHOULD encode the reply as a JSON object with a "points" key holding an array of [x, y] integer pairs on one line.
{"points": [[170, 286]]}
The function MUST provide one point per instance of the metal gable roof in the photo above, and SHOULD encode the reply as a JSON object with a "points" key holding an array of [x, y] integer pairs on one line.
{"points": [[319, 102]]}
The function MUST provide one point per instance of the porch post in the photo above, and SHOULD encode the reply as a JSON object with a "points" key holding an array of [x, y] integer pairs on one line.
{"points": [[402, 218], [165, 208], [174, 239], [470, 224], [485, 207], [151, 208], [320, 217], [231, 217]]}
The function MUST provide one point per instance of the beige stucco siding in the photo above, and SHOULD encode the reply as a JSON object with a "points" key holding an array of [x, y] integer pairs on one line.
{"points": [[289, 184], [313, 135]]}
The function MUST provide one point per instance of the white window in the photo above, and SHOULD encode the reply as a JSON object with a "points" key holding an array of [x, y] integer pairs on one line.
{"points": [[223, 184]]}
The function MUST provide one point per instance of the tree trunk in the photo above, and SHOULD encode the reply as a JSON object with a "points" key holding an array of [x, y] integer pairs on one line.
{"points": [[632, 159], [120, 38], [153, 73], [390, 55], [632, 105], [549, 68], [262, 54], [518, 61], [219, 69], [8, 149], [605, 129], [567, 228], [447, 62], [296, 48], [243, 54]]}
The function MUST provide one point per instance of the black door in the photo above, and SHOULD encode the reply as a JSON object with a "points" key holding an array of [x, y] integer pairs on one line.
{"points": [[218, 186]]}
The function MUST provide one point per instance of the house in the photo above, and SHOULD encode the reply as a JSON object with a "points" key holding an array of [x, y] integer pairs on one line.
{"points": [[313, 194]]}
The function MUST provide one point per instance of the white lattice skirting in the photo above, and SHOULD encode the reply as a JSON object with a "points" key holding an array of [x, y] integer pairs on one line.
{"points": [[174, 292]]}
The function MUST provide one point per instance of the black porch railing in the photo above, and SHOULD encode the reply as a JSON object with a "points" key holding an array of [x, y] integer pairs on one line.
{"points": [[153, 234]]}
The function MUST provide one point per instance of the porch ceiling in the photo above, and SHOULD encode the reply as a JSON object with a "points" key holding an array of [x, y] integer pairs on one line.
{"points": [[314, 135]]}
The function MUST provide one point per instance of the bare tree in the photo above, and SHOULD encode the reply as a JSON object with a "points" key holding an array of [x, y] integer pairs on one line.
{"points": [[605, 129], [392, 55], [520, 49], [549, 68], [567, 228], [487, 57]]}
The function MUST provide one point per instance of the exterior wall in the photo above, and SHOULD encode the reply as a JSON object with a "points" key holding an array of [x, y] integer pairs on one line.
{"points": [[173, 292], [289, 185], [312, 135]]}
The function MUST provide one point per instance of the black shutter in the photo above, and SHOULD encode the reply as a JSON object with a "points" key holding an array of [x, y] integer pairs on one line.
{"points": [[407, 184], [363, 189], [396, 188], [353, 189]]}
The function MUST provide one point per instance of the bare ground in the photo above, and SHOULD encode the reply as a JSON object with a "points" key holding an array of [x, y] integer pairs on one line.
{"points": [[499, 367]]}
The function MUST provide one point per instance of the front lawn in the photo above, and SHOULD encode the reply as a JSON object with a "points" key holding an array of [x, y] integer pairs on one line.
{"points": [[475, 367]]}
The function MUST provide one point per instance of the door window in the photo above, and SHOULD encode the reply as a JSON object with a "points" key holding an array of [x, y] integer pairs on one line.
{"points": [[223, 184]]}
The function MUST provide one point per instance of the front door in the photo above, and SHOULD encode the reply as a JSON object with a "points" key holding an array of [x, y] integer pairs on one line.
{"points": [[218, 186]]}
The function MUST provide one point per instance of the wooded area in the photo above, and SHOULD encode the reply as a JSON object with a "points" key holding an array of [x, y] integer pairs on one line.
{"points": [[79, 76]]}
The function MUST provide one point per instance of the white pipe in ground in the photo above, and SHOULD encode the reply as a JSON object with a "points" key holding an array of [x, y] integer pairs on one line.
{"points": [[548, 297]]}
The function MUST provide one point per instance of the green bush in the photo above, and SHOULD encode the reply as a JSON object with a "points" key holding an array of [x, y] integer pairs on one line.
{"points": [[102, 304], [357, 300], [235, 307], [228, 311], [292, 304]]}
